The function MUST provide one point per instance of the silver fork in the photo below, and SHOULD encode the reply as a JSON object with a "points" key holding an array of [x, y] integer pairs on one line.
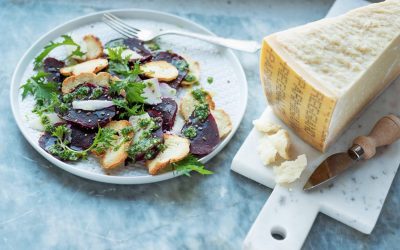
{"points": [[126, 30]]}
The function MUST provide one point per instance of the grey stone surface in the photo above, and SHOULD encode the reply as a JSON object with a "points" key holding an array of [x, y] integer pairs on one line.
{"points": [[42, 206]]}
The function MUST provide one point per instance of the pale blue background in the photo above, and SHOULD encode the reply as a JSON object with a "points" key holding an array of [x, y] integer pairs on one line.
{"points": [[44, 207]]}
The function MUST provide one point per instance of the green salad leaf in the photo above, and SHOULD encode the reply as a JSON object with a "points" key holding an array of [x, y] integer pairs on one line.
{"points": [[38, 62], [188, 164], [38, 86]]}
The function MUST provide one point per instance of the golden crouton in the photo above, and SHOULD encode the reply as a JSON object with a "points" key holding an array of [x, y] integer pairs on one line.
{"points": [[223, 121], [91, 66], [114, 158], [176, 149], [188, 104], [162, 70], [101, 79]]}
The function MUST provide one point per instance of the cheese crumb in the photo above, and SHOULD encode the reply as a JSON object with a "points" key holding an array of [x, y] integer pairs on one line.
{"points": [[266, 150], [263, 125], [281, 142], [289, 171]]}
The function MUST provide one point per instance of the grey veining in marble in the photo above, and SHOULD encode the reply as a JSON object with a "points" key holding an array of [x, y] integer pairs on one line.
{"points": [[43, 207]]}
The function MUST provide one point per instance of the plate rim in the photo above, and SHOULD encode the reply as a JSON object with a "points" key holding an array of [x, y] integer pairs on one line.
{"points": [[115, 179]]}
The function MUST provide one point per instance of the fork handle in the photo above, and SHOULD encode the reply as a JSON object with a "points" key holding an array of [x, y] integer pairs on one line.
{"points": [[242, 45]]}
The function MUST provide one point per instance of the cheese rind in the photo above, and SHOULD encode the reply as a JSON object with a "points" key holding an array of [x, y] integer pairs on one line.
{"points": [[319, 76]]}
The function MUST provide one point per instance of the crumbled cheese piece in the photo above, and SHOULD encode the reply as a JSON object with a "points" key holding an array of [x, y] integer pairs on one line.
{"points": [[281, 142], [263, 125], [266, 150], [289, 171]]}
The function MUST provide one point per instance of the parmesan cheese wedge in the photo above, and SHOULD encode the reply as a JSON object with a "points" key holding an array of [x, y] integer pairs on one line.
{"points": [[318, 77]]}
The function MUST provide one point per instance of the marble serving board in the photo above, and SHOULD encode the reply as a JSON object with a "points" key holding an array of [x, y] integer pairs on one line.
{"points": [[355, 198]]}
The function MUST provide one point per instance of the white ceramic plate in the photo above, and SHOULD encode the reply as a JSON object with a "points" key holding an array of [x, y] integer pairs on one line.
{"points": [[229, 86]]}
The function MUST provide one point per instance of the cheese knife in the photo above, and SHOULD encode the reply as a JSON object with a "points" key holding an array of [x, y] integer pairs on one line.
{"points": [[385, 132]]}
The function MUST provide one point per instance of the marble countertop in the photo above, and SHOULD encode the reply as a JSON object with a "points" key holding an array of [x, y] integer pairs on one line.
{"points": [[42, 206]]}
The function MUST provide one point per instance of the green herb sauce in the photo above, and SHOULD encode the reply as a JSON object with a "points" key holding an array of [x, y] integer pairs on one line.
{"points": [[190, 132]]}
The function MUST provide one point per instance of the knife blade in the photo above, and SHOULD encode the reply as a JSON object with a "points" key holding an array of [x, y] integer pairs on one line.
{"points": [[385, 132]]}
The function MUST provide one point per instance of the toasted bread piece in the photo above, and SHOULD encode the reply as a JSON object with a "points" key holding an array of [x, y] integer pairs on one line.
{"points": [[162, 70], [101, 79], [194, 71], [266, 150], [177, 148], [289, 171], [281, 142], [223, 121], [91, 66], [188, 104], [93, 46], [111, 158]]}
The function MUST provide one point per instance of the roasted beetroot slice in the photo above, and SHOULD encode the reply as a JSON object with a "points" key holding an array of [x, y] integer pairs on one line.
{"points": [[81, 139], [89, 119], [175, 60], [137, 46], [207, 136], [46, 141], [53, 66], [168, 109]]}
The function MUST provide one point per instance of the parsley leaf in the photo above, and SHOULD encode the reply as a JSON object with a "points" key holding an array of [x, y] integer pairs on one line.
{"points": [[134, 91], [118, 64], [50, 105], [52, 45], [188, 164], [38, 86], [61, 149], [136, 109], [105, 139]]}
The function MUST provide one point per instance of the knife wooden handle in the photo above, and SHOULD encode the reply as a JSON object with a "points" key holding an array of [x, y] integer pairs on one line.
{"points": [[385, 132]]}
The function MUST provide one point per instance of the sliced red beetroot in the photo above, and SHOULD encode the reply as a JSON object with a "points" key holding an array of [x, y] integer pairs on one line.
{"points": [[89, 119], [46, 141], [53, 66], [207, 136], [176, 60], [137, 46], [167, 108], [79, 139], [158, 115]]}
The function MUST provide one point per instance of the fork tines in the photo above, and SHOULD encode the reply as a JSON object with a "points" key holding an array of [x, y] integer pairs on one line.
{"points": [[120, 26]]}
